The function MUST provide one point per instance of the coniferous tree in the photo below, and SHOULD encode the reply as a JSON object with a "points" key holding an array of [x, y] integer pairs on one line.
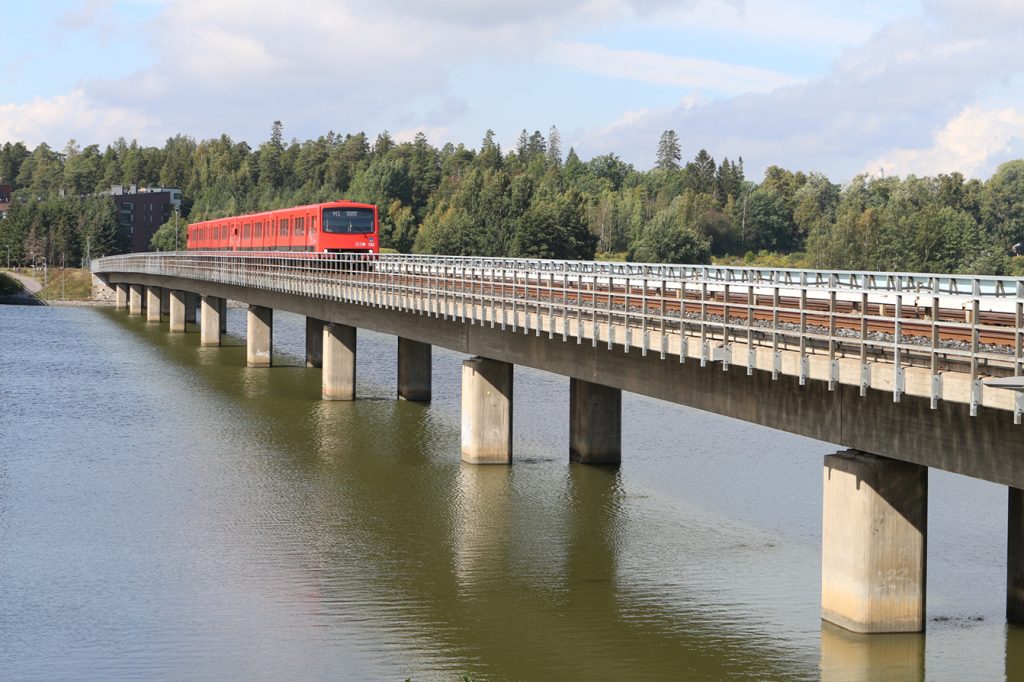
{"points": [[669, 154], [554, 153]]}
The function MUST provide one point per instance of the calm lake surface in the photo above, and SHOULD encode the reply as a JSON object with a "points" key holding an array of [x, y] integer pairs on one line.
{"points": [[167, 513]]}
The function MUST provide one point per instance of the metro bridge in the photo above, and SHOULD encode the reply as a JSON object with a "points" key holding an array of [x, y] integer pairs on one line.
{"points": [[908, 371]]}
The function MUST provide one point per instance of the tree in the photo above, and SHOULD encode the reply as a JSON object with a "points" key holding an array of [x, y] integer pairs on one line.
{"points": [[701, 173], [554, 154], [665, 241], [669, 153]]}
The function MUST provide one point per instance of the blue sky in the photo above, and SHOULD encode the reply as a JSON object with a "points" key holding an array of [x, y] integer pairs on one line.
{"points": [[924, 87]]}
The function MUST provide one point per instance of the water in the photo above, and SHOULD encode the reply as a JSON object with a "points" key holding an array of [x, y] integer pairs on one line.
{"points": [[167, 513]]}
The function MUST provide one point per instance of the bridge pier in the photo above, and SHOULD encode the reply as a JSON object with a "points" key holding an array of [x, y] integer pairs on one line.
{"points": [[595, 423], [1015, 557], [414, 370], [314, 342], [152, 304], [135, 299], [486, 411], [873, 543], [259, 336], [191, 305], [177, 311], [120, 296], [339, 370], [209, 321]]}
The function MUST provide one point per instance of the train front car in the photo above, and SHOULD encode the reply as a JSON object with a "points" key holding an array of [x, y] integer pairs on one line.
{"points": [[347, 227]]}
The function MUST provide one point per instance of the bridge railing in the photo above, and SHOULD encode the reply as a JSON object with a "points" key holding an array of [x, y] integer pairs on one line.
{"points": [[945, 324]]}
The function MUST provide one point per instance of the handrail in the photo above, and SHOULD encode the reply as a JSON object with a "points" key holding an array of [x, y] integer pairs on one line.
{"points": [[949, 324]]}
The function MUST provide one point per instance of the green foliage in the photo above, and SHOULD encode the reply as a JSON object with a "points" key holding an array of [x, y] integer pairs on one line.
{"points": [[171, 236], [526, 202], [666, 240]]}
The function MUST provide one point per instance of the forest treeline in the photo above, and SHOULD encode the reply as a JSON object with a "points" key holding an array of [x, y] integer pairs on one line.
{"points": [[533, 200]]}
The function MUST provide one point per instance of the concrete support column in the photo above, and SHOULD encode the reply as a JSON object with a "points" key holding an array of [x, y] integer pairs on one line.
{"points": [[595, 423], [486, 411], [1015, 557], [314, 342], [152, 304], [339, 371], [414, 369], [191, 304], [223, 315], [209, 321], [120, 296], [259, 336], [874, 536], [177, 311], [135, 299]]}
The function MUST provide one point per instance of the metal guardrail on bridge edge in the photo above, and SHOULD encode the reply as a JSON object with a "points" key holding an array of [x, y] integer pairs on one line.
{"points": [[943, 322]]}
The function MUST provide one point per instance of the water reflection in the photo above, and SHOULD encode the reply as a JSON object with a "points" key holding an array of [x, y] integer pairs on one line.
{"points": [[262, 532], [850, 657]]}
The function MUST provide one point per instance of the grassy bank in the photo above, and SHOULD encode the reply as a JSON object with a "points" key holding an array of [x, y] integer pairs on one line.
{"points": [[69, 284], [8, 285]]}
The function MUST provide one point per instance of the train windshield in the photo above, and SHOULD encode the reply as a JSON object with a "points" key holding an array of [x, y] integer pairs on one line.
{"points": [[348, 220]]}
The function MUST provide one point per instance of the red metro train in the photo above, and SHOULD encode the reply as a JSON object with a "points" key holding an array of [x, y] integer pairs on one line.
{"points": [[332, 227]]}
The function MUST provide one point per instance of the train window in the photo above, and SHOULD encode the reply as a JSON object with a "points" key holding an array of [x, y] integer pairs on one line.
{"points": [[300, 225], [259, 230], [245, 231], [284, 227], [348, 220], [312, 224]]}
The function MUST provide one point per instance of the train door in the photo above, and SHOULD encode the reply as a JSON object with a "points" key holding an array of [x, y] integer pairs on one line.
{"points": [[236, 238]]}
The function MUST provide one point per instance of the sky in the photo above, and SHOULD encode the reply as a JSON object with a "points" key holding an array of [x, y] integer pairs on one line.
{"points": [[892, 87]]}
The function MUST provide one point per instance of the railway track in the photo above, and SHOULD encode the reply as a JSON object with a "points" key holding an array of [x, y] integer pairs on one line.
{"points": [[971, 327]]}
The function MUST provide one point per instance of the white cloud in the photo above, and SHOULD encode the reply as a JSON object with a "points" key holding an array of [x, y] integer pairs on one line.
{"points": [[58, 119], [882, 99], [967, 143], [662, 69]]}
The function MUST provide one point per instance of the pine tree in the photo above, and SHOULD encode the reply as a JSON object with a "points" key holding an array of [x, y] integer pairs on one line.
{"points": [[554, 148], [669, 153]]}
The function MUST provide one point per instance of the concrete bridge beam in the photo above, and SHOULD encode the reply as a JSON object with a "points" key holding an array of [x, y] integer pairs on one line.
{"points": [[153, 304], [339, 370], [209, 321], [1015, 558], [259, 337], [191, 305], [486, 411], [177, 311], [314, 342], [414, 370], [874, 536], [595, 423], [135, 299], [120, 296]]}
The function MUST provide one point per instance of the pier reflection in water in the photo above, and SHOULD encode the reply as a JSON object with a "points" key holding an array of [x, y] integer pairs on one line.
{"points": [[167, 512]]}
